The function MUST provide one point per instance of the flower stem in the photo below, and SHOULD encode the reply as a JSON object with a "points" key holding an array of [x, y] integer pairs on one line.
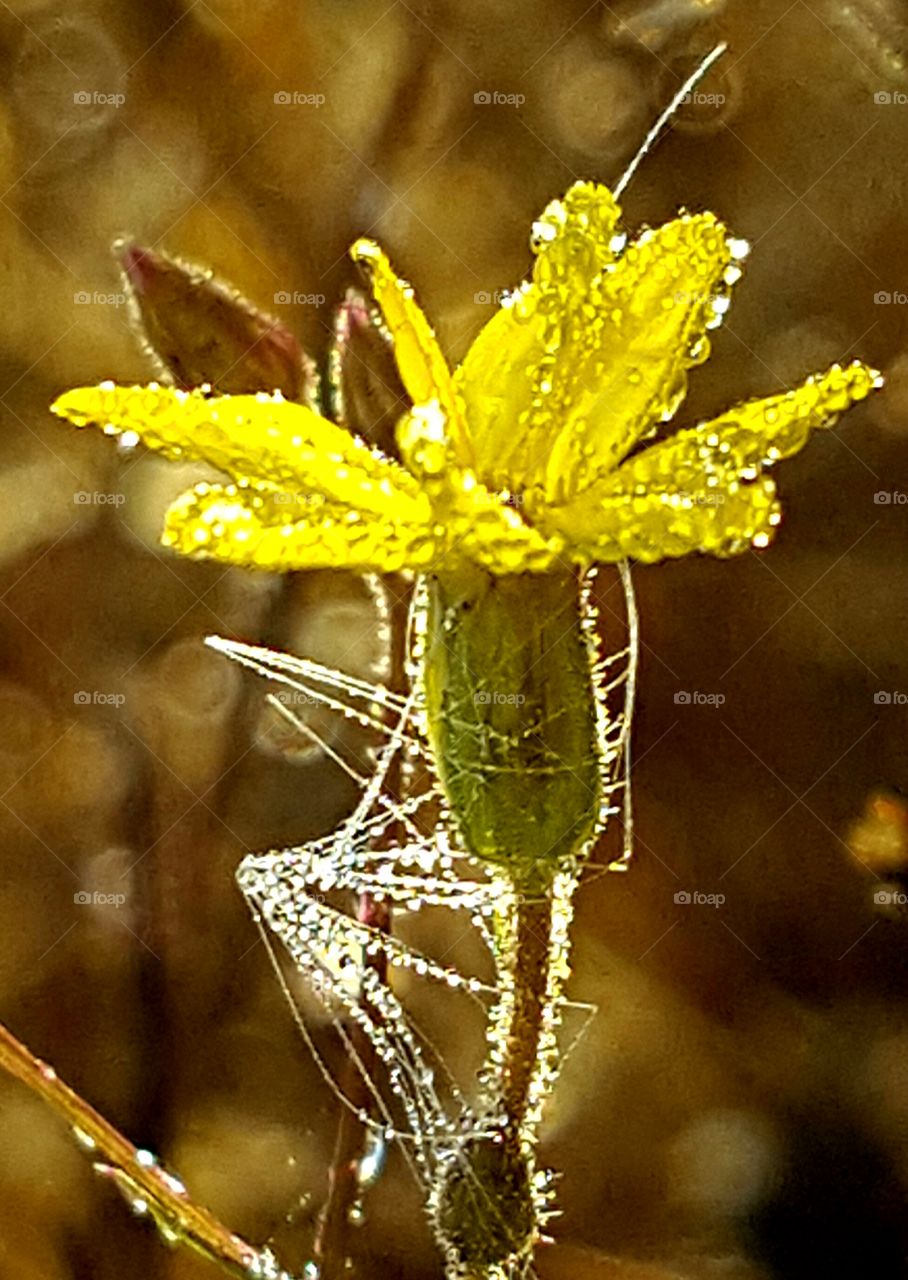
{"points": [[144, 1181], [531, 995]]}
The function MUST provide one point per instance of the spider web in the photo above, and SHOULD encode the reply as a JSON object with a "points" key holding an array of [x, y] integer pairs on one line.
{"points": [[404, 851]]}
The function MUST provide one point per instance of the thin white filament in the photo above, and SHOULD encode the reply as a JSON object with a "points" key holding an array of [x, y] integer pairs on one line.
{"points": [[649, 141]]}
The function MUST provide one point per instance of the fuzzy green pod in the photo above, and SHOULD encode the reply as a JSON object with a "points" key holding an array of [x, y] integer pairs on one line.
{"points": [[512, 718], [484, 1210]]}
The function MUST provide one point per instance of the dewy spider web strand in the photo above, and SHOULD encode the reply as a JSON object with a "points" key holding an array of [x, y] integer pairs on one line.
{"points": [[430, 1121]]}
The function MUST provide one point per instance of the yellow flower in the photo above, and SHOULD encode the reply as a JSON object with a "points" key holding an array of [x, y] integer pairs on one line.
{"points": [[521, 459]]}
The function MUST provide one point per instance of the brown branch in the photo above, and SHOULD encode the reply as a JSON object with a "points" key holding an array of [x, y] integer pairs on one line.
{"points": [[142, 1181]]}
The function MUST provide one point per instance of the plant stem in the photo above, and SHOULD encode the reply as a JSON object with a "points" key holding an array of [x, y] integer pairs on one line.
{"points": [[531, 995], [115, 1156]]}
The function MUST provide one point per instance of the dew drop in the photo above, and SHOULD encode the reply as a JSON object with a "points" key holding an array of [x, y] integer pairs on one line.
{"points": [[85, 1140]]}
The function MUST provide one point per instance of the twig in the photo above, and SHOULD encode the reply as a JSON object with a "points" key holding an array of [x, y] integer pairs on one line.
{"points": [[148, 1186]]}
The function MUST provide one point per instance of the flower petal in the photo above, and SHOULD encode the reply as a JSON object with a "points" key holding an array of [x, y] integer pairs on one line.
{"points": [[496, 383], [702, 490], [479, 525], [493, 534], [574, 239], [258, 439], [423, 369], [263, 530], [622, 367]]}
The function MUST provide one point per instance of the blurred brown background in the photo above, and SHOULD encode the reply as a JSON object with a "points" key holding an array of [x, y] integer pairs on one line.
{"points": [[739, 1105]]}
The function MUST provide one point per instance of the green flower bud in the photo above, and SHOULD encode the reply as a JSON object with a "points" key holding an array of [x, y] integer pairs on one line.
{"points": [[512, 719]]}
